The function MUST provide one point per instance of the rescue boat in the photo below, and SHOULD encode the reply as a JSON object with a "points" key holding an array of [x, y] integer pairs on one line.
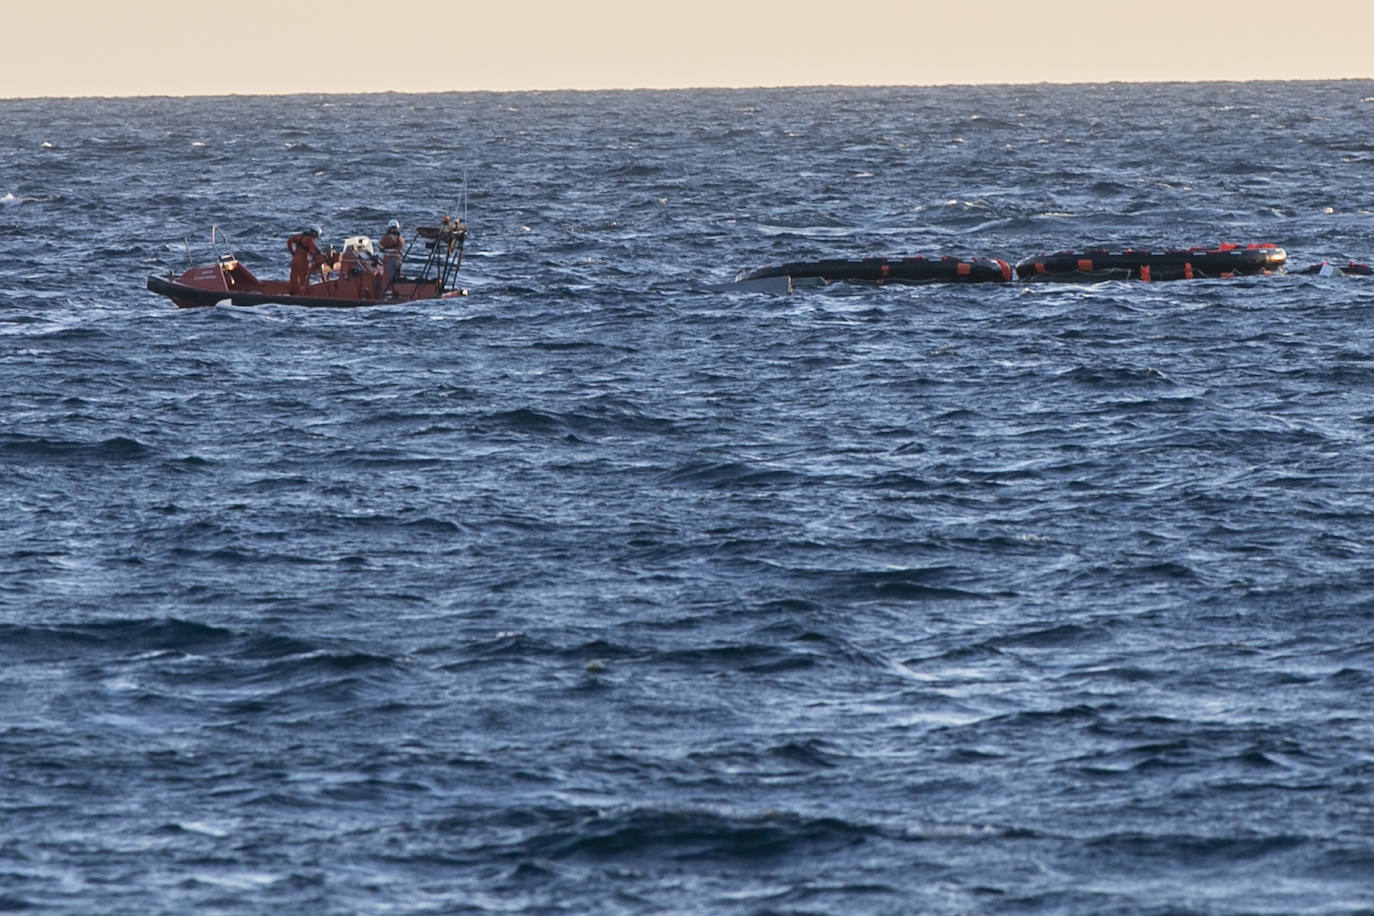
{"points": [[910, 270], [353, 277], [1092, 265]]}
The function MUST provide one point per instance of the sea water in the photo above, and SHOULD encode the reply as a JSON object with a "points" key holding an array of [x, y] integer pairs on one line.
{"points": [[601, 591]]}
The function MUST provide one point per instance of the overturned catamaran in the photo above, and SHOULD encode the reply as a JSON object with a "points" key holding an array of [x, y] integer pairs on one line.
{"points": [[1085, 265]]}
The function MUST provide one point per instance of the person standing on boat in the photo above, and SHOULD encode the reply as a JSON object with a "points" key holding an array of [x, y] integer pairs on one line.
{"points": [[393, 246], [305, 257]]}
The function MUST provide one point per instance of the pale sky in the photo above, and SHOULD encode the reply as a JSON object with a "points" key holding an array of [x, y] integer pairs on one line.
{"points": [[198, 47]]}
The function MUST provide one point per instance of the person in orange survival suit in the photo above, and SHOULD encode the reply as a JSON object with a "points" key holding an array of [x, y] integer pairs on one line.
{"points": [[392, 247], [305, 257]]}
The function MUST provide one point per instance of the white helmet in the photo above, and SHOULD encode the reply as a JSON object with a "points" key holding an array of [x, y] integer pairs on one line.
{"points": [[393, 224], [316, 231]]}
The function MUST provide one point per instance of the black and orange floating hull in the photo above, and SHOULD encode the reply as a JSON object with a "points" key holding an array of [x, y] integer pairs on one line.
{"points": [[912, 270], [1096, 264], [1327, 269]]}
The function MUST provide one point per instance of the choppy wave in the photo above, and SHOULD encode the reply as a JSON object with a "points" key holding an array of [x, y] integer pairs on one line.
{"points": [[599, 590]]}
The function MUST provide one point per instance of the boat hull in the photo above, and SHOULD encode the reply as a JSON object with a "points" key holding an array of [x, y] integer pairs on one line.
{"points": [[188, 295], [1327, 269], [1092, 265], [880, 271]]}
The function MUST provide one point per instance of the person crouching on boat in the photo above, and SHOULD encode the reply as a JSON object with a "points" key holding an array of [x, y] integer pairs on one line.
{"points": [[305, 257], [393, 246]]}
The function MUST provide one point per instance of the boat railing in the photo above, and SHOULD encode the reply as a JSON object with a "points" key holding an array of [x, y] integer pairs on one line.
{"points": [[443, 248], [221, 246]]}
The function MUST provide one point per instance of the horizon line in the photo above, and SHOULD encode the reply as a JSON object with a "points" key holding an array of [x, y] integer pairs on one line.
{"points": [[700, 88]]}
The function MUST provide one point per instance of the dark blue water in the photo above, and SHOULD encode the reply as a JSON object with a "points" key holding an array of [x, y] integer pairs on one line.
{"points": [[597, 591]]}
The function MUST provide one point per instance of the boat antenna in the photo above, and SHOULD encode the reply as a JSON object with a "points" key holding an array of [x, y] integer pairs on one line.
{"points": [[465, 193]]}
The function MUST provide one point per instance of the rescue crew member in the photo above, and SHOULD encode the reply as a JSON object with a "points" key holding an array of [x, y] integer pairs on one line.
{"points": [[305, 257], [393, 246]]}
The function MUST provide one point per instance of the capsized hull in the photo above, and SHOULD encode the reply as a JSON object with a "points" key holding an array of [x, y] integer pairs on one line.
{"points": [[1327, 269], [910, 270], [1092, 265]]}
